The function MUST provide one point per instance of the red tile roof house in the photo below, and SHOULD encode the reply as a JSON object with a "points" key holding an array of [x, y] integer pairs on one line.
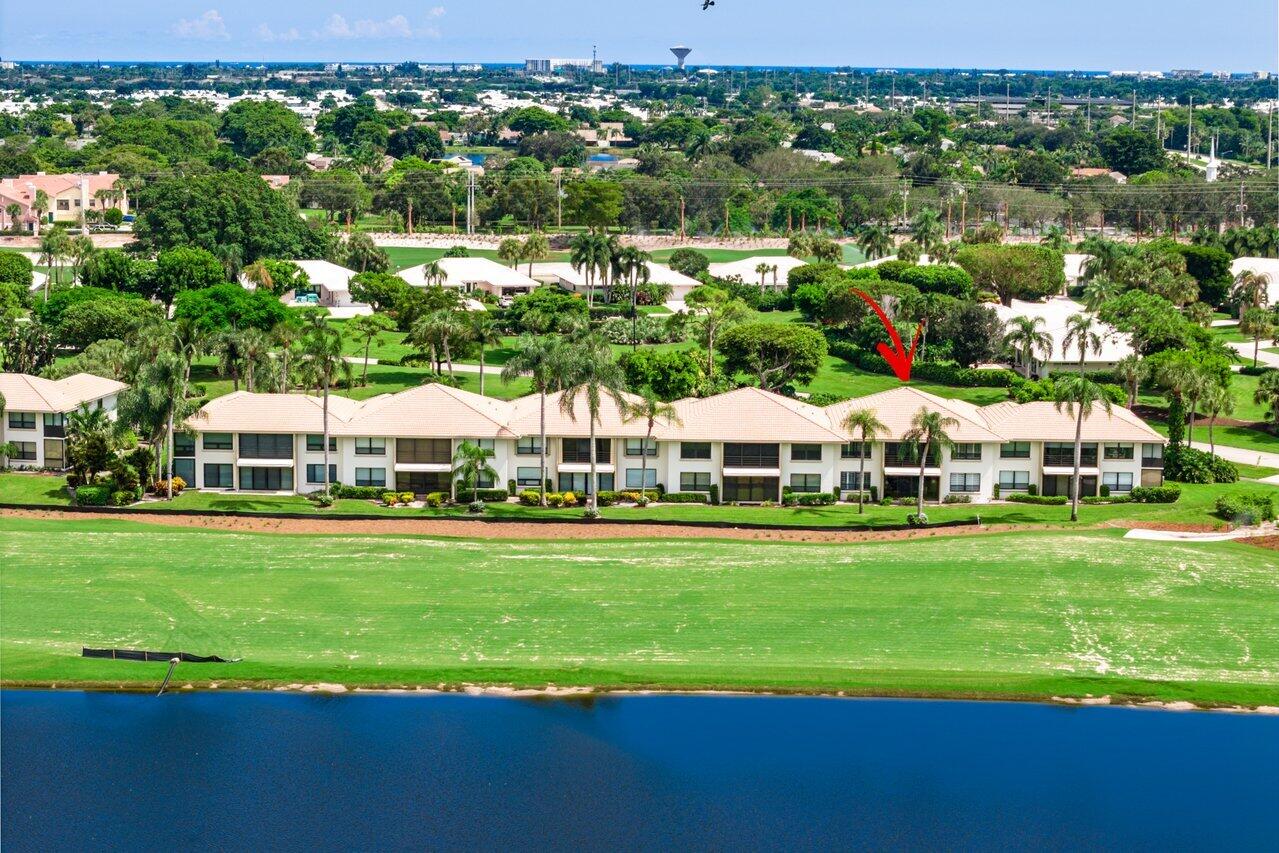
{"points": [[69, 196]]}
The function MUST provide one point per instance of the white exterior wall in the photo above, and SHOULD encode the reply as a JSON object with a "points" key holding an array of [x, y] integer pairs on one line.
{"points": [[37, 435]]}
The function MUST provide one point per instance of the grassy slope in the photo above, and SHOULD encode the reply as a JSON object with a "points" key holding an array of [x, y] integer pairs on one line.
{"points": [[1194, 507], [1093, 613]]}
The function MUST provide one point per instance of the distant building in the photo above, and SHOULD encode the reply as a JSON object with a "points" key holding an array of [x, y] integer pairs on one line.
{"points": [[553, 65], [70, 196]]}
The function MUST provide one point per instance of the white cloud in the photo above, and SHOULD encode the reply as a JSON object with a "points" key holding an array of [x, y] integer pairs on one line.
{"points": [[436, 12], [395, 27], [265, 33], [207, 27]]}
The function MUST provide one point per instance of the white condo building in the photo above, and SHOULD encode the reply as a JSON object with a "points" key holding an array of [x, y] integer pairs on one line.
{"points": [[36, 409]]}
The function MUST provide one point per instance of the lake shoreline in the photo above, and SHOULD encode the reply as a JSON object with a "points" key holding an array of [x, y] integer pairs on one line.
{"points": [[584, 693]]}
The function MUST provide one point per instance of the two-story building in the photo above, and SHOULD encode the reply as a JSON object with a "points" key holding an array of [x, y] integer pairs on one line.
{"points": [[36, 409]]}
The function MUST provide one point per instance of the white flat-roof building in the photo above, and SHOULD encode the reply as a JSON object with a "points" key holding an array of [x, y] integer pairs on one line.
{"points": [[779, 267], [1115, 345], [1262, 266], [563, 274], [472, 274], [749, 445], [330, 288], [36, 412]]}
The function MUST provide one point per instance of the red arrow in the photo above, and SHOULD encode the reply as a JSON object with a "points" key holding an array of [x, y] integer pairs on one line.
{"points": [[897, 357]]}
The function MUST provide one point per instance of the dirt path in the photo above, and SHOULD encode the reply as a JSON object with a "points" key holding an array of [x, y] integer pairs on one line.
{"points": [[470, 529]]}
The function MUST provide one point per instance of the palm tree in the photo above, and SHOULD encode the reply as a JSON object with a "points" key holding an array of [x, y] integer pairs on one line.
{"points": [[511, 251], [1199, 383], [470, 465], [927, 229], [584, 255], [325, 365], [1055, 238], [255, 346], [863, 421], [875, 242], [286, 333], [945, 253], [1131, 370], [716, 311], [1267, 394], [799, 246], [53, 246], [1081, 331], [1076, 395], [433, 274], [1026, 338], [536, 247], [163, 384], [1250, 289], [540, 358], [590, 372], [1175, 377], [14, 210], [482, 331], [369, 328], [650, 409], [80, 248], [1217, 401], [1256, 324], [928, 429], [1099, 290], [633, 266], [39, 206], [439, 328], [761, 270], [258, 274], [227, 347]]}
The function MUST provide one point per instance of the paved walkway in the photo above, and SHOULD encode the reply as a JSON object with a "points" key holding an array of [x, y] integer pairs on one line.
{"points": [[1244, 348], [1241, 454]]}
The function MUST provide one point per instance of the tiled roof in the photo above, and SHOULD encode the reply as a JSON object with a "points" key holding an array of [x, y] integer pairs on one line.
{"points": [[25, 393], [897, 407], [431, 411], [525, 418], [751, 414], [241, 411], [1042, 421]]}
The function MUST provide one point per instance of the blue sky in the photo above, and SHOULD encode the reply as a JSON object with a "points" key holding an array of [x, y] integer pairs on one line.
{"points": [[1086, 34]]}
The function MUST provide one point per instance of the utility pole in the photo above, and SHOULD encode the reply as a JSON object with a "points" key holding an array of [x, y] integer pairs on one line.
{"points": [[905, 195], [1241, 207], [1134, 109], [470, 202], [1008, 100], [1088, 119], [681, 217], [559, 204], [1190, 126]]}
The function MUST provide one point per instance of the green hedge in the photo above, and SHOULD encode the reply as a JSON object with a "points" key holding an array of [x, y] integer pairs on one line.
{"points": [[1188, 465], [362, 493], [945, 374], [1166, 494], [1047, 500], [1106, 499], [1246, 508], [99, 495], [488, 495], [685, 498]]}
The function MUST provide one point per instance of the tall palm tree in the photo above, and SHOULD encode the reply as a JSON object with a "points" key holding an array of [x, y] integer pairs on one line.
{"points": [[369, 328], [325, 366], [1217, 401], [927, 430], [1131, 370], [633, 266], [592, 374], [864, 422], [439, 328], [1076, 396], [1256, 324], [1174, 378], [511, 251], [1081, 332], [874, 241], [927, 229], [584, 255], [651, 410], [80, 248], [287, 333], [536, 247], [761, 270], [1055, 238], [258, 274], [1026, 338], [1099, 290], [540, 358], [1251, 289], [433, 274], [230, 353], [255, 347], [1199, 384], [470, 465], [39, 206], [164, 383], [482, 331]]}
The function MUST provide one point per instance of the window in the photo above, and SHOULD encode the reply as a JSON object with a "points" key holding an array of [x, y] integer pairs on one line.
{"points": [[266, 479], [1063, 453], [855, 450], [751, 455], [641, 447], [530, 476], [54, 453], [64, 204], [529, 446], [1015, 450], [1117, 451], [848, 481], [482, 481], [1152, 456], [185, 468], [22, 420], [1117, 481], [900, 453], [26, 451], [413, 451], [633, 476], [576, 483], [806, 453], [217, 476], [315, 473], [485, 444], [422, 482], [695, 481], [966, 452], [694, 450], [965, 482], [315, 443], [183, 445], [265, 446], [579, 449], [805, 482], [370, 477], [376, 447], [1014, 481], [55, 424], [750, 489], [217, 441]]}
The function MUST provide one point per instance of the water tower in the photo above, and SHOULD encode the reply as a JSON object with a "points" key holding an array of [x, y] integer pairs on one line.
{"points": [[681, 53]]}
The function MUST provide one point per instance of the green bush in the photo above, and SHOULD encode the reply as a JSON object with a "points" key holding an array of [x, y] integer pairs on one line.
{"points": [[944, 374], [917, 519], [1165, 494], [1032, 489], [1106, 499], [436, 499], [686, 497], [957, 499], [1028, 498], [1187, 465], [1245, 508], [816, 499], [530, 497], [98, 495], [390, 498], [407, 497], [360, 493], [123, 497], [493, 495], [1104, 491], [712, 495]]}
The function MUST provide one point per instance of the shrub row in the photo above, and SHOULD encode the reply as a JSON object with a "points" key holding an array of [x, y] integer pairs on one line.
{"points": [[1187, 465], [1246, 508], [945, 374], [808, 499], [1047, 500], [1166, 494]]}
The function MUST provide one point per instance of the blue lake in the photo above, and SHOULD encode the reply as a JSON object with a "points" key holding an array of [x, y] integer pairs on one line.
{"points": [[287, 771]]}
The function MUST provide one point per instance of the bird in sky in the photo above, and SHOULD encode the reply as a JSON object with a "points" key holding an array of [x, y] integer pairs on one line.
{"points": [[706, 4]]}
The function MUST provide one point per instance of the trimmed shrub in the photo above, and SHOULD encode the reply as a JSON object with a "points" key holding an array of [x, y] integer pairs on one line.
{"points": [[957, 499], [1029, 498], [712, 495], [1245, 508], [530, 497], [436, 499], [122, 497], [917, 519], [1188, 465], [493, 495], [407, 497], [686, 497], [1032, 490], [1106, 499], [1165, 494], [816, 499], [390, 498], [361, 493], [994, 491], [476, 507], [511, 487], [96, 495], [1105, 490]]}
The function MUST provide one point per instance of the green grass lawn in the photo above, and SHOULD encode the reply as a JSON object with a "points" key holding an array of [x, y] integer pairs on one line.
{"points": [[842, 378], [1194, 507], [1090, 613]]}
